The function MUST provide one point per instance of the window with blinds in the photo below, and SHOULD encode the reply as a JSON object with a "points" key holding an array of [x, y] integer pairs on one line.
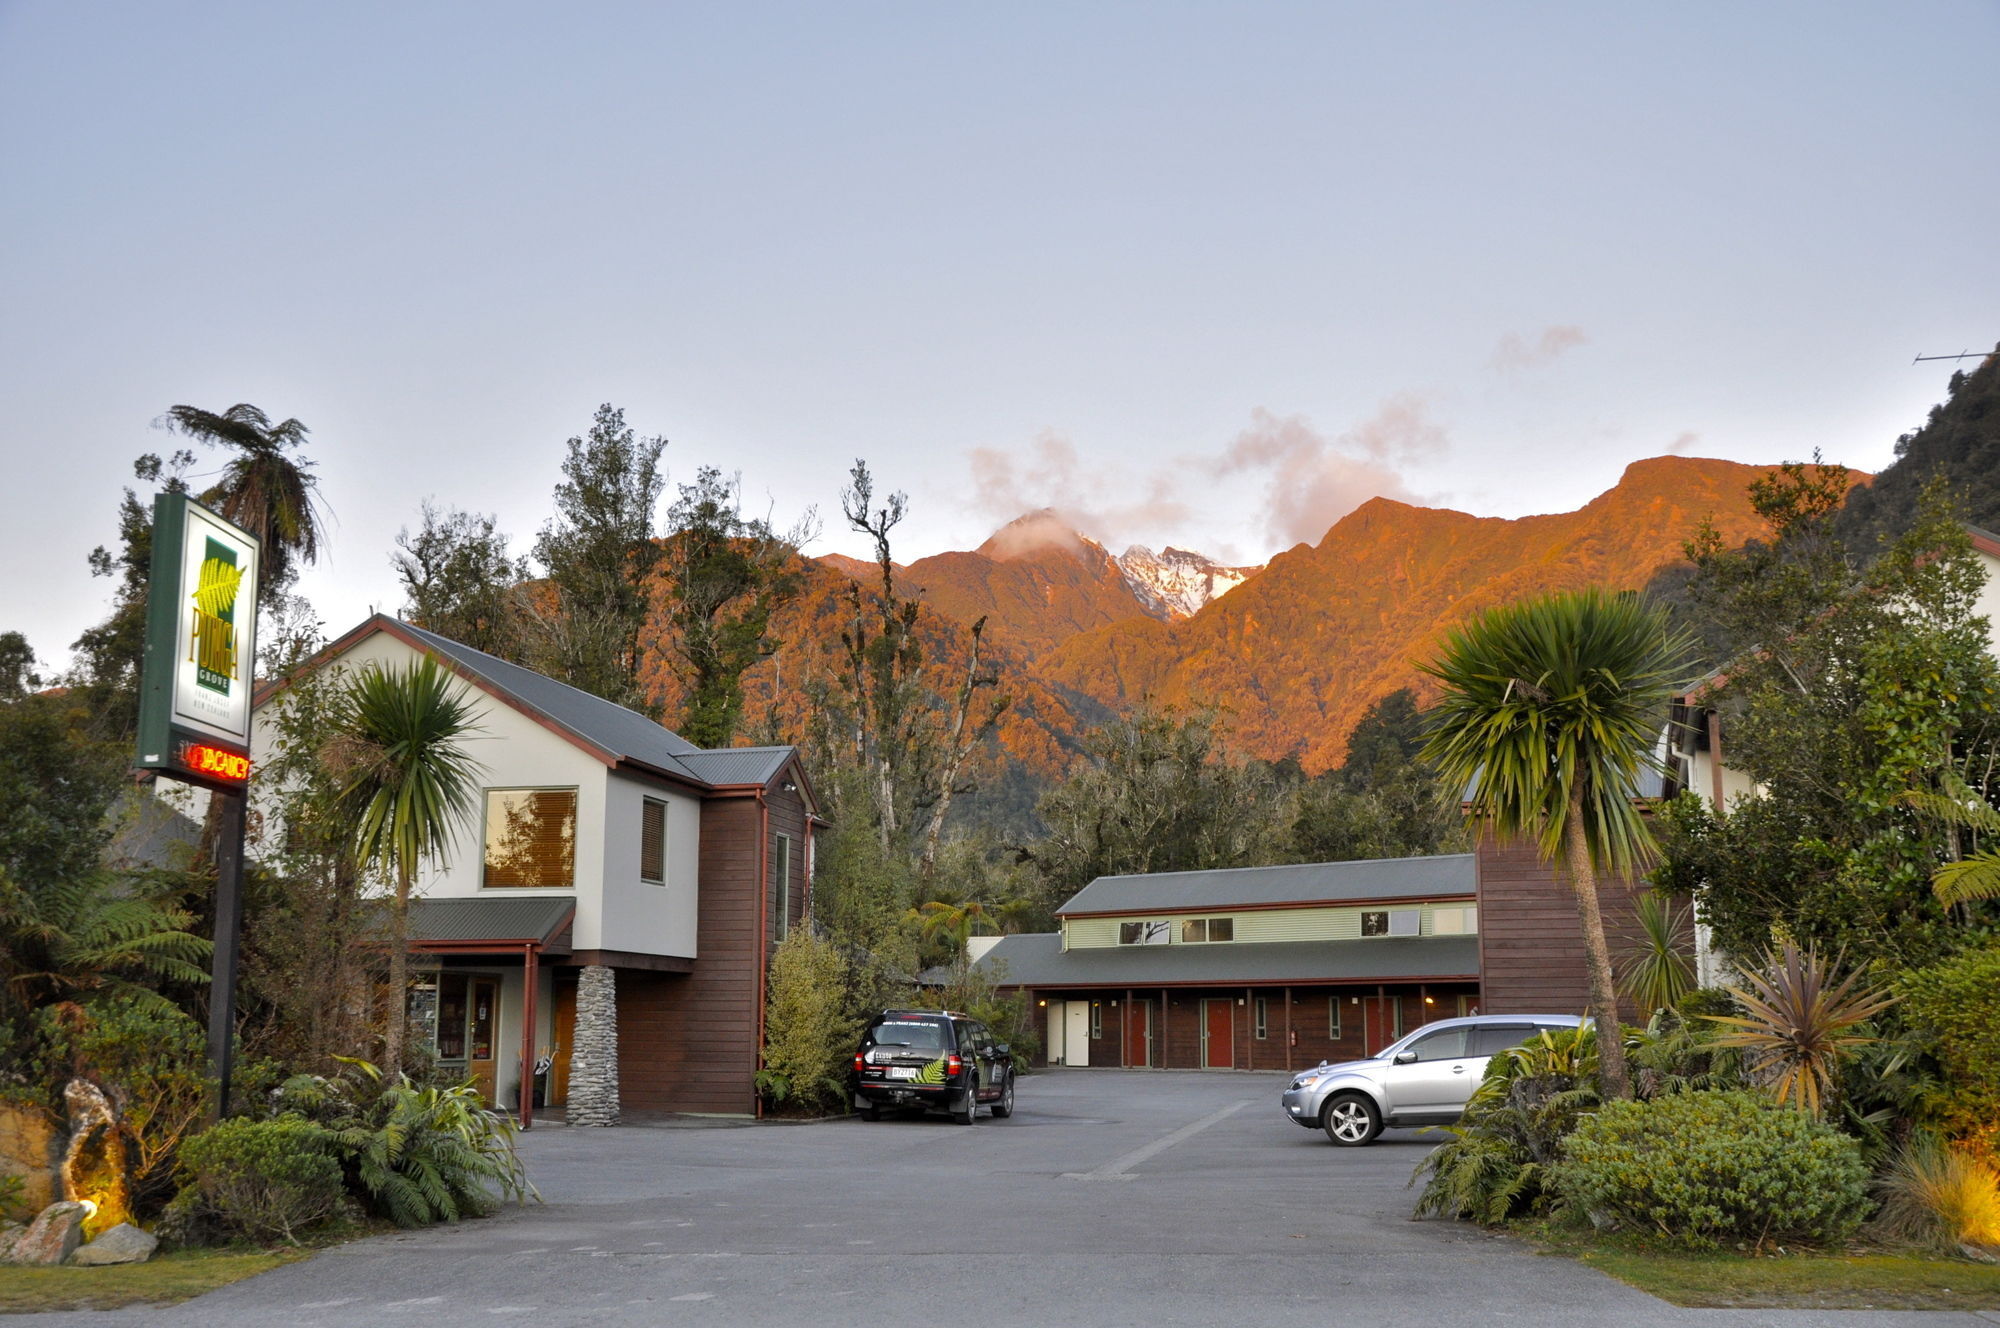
{"points": [[653, 841], [531, 837]]}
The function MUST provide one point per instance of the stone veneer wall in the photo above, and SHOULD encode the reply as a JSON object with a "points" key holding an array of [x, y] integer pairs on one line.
{"points": [[593, 1076]]}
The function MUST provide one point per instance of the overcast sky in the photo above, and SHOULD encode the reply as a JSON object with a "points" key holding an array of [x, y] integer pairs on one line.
{"points": [[1208, 275]]}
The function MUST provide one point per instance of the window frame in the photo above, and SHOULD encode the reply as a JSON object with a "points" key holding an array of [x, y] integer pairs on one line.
{"points": [[1261, 1013], [1333, 1017], [486, 820], [1096, 1020], [646, 807], [781, 886]]}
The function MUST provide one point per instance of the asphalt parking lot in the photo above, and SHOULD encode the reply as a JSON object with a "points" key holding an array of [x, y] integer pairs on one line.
{"points": [[1111, 1198]]}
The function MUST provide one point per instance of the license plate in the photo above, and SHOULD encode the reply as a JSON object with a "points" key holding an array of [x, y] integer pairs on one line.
{"points": [[901, 1072]]}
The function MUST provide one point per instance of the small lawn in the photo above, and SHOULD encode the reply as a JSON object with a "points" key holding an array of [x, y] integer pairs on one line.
{"points": [[162, 1280], [1793, 1280]]}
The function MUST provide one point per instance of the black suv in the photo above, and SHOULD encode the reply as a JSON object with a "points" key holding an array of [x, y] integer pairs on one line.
{"points": [[934, 1059]]}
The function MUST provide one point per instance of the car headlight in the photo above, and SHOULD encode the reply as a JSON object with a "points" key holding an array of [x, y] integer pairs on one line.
{"points": [[1309, 1080]]}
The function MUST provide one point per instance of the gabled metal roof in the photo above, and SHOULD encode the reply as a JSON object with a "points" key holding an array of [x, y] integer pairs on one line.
{"points": [[623, 733], [466, 918], [611, 732], [1038, 960], [1443, 877], [738, 765]]}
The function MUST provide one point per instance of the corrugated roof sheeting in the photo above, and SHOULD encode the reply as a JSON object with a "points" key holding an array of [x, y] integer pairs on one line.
{"points": [[479, 918], [737, 765], [622, 732], [1178, 892], [1038, 960]]}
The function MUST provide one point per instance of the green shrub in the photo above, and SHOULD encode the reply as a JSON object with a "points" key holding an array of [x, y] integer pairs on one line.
{"points": [[267, 1180], [1496, 1165], [1955, 1006], [809, 1039], [415, 1155], [1699, 1169]]}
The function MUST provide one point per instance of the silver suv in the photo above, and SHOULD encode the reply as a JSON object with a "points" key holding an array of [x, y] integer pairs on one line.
{"points": [[1422, 1079]]}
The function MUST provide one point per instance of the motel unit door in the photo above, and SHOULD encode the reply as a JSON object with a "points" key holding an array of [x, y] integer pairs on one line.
{"points": [[1218, 1034], [1076, 1033], [1138, 1040]]}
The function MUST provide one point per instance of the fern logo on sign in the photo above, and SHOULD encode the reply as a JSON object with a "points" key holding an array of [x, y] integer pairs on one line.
{"points": [[212, 639]]}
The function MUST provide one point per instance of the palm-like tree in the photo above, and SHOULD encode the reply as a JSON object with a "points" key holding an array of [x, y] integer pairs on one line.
{"points": [[1550, 711], [272, 495], [405, 784]]}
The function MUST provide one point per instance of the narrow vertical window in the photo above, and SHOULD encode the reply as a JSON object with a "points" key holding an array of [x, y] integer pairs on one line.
{"points": [[1097, 1019], [1263, 1017], [1333, 1017], [653, 841], [781, 889]]}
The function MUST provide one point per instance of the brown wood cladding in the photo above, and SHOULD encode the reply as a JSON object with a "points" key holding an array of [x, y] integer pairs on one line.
{"points": [[1531, 958], [689, 1042], [1177, 1025]]}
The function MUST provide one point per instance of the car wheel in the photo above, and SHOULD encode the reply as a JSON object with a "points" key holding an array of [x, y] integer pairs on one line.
{"points": [[871, 1112], [1351, 1120], [970, 1113], [1005, 1106]]}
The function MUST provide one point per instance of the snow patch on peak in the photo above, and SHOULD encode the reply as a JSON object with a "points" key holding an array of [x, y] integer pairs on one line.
{"points": [[1178, 583]]}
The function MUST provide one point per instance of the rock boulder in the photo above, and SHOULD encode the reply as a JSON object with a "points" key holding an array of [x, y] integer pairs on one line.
{"points": [[124, 1243], [53, 1236]]}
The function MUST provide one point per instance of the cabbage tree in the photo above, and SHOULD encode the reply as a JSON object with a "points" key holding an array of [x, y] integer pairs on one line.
{"points": [[1550, 711]]}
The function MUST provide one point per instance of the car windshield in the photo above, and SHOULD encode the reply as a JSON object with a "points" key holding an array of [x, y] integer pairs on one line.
{"points": [[917, 1034]]}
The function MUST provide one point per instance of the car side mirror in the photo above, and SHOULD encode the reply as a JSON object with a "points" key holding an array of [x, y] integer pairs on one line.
{"points": [[1405, 1058]]}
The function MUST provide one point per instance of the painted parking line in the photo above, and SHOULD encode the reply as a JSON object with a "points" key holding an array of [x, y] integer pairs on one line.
{"points": [[1121, 1168]]}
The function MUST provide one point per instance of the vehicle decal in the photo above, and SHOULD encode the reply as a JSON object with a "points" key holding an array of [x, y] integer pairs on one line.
{"points": [[930, 1074]]}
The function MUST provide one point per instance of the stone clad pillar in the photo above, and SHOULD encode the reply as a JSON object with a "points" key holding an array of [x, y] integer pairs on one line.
{"points": [[593, 1066]]}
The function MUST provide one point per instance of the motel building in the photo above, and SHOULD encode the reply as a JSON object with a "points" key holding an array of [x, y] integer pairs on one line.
{"points": [[1279, 968], [600, 934]]}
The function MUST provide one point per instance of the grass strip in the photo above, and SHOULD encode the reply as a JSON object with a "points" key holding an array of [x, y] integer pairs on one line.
{"points": [[162, 1280]]}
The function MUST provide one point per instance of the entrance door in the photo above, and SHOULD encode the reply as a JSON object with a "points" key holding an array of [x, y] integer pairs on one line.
{"points": [[1218, 1035], [1138, 1033], [485, 1019], [1076, 1033], [1382, 1022], [563, 1026]]}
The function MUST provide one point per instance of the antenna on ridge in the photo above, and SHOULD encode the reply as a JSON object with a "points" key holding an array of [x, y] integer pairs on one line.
{"points": [[1962, 355]]}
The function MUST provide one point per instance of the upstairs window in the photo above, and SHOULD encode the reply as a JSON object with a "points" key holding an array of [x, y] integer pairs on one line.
{"points": [[1144, 933], [781, 888], [653, 841], [1455, 921], [530, 838], [1204, 930], [1392, 922]]}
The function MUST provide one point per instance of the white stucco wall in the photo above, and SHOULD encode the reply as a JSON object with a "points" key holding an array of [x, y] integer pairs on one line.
{"points": [[640, 915], [614, 909]]}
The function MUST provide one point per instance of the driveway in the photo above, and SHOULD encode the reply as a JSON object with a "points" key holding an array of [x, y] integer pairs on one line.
{"points": [[1111, 1198]]}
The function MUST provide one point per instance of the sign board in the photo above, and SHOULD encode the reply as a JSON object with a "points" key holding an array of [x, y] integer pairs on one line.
{"points": [[201, 644]]}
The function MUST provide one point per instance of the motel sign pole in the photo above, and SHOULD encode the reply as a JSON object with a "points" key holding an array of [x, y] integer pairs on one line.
{"points": [[194, 713]]}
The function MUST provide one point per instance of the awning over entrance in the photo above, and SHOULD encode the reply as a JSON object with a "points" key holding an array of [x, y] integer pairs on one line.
{"points": [[506, 924], [480, 924]]}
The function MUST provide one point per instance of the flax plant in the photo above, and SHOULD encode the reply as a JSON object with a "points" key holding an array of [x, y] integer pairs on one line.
{"points": [[1799, 1024]]}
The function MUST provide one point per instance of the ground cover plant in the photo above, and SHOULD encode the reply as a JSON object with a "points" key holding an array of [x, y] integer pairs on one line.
{"points": [[1701, 1170]]}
